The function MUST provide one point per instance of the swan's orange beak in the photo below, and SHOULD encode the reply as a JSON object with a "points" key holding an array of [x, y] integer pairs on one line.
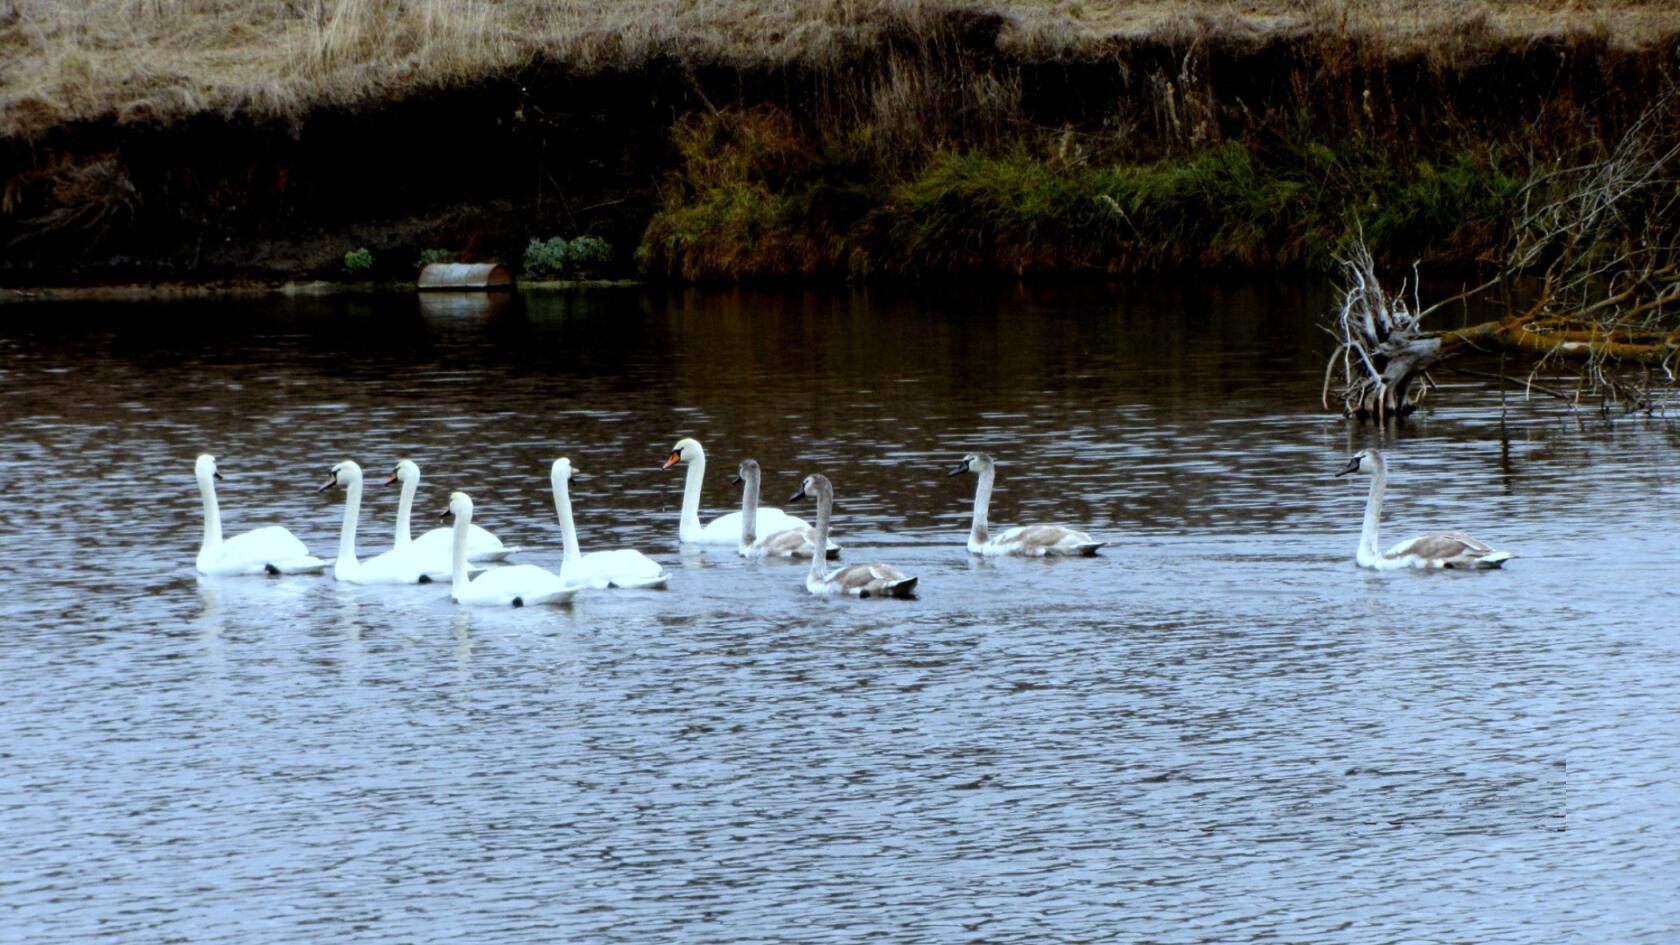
{"points": [[391, 478], [672, 460]]}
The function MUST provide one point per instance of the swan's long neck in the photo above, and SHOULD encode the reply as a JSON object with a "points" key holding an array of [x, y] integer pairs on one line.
{"points": [[749, 510], [982, 503], [405, 509], [458, 569], [1368, 548], [352, 512], [212, 516], [563, 511], [819, 559], [691, 493]]}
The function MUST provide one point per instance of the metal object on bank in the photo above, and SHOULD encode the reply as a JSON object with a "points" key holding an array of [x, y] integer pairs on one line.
{"points": [[465, 277]]}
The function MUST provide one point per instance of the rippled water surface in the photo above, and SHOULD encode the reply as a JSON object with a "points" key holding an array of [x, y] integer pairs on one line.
{"points": [[1220, 731]]}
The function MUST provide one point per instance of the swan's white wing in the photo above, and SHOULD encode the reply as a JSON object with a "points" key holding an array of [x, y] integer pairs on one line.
{"points": [[775, 520], [481, 545], [392, 567], [272, 548], [519, 585], [623, 567], [726, 529]]}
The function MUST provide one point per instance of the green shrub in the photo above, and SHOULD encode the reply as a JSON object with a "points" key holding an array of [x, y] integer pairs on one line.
{"points": [[545, 257], [358, 261], [429, 256], [590, 254], [558, 258]]}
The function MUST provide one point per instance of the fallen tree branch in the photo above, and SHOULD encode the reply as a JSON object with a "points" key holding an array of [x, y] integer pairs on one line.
{"points": [[1602, 241]]}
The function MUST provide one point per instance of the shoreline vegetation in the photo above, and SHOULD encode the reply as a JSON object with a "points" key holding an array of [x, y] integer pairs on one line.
{"points": [[260, 141]]}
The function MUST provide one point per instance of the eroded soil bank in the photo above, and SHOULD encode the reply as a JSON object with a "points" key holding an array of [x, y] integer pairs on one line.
{"points": [[932, 148]]}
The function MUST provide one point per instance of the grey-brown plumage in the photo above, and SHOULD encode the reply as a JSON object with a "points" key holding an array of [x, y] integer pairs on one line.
{"points": [[799, 542], [1443, 550], [858, 580], [1030, 541]]}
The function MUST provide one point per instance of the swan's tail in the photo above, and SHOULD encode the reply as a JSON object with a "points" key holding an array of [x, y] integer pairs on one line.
{"points": [[901, 588]]}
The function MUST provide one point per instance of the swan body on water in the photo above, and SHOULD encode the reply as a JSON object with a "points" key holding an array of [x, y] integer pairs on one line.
{"points": [[436, 546], [725, 530], [1031, 541], [269, 550], [623, 567], [519, 585], [858, 580], [1444, 550], [396, 566], [797, 542]]}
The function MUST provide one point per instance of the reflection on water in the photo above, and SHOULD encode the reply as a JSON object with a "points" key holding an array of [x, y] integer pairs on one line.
{"points": [[1220, 731]]}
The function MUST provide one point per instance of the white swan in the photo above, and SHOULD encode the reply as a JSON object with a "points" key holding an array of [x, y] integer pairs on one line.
{"points": [[725, 530], [438, 544], [1031, 541], [519, 585], [271, 550], [858, 580], [787, 543], [623, 567], [393, 567], [1445, 550]]}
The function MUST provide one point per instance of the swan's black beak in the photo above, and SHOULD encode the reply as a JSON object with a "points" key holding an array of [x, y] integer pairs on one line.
{"points": [[1352, 466], [444, 514], [737, 480], [962, 467], [392, 478], [217, 476], [331, 481], [798, 495]]}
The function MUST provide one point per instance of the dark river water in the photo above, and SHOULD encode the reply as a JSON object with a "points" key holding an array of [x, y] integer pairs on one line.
{"points": [[1220, 731]]}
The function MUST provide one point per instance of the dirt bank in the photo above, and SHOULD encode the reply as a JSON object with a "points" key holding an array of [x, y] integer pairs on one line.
{"points": [[837, 140]]}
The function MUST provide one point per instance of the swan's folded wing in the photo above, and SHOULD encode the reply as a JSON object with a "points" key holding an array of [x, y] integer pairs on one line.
{"points": [[870, 580], [270, 543], [623, 567], [524, 583], [1448, 549], [1035, 540], [790, 543]]}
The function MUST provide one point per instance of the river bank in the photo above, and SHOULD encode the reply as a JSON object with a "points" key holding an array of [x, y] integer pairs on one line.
{"points": [[859, 140]]}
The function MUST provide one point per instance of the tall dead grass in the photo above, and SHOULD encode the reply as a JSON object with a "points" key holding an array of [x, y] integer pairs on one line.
{"points": [[139, 61]]}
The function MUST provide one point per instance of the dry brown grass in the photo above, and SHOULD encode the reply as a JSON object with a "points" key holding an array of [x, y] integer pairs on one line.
{"points": [[155, 61]]}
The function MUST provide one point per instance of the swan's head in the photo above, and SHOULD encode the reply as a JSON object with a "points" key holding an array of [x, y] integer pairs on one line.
{"points": [[459, 506], [746, 472], [1365, 461], [686, 450], [815, 486], [974, 463], [561, 471], [205, 468], [405, 473], [344, 474]]}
